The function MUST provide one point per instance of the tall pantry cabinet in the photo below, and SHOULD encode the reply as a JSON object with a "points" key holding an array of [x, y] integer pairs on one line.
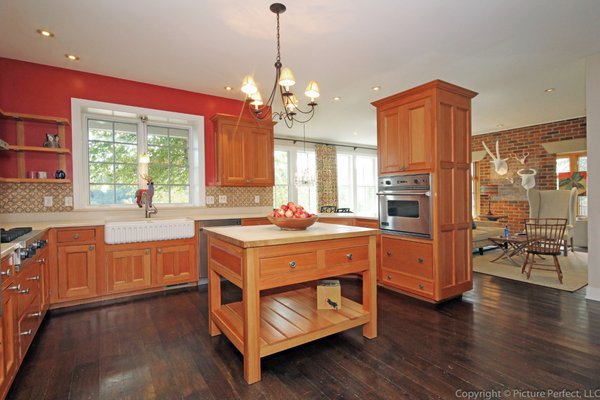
{"points": [[427, 129]]}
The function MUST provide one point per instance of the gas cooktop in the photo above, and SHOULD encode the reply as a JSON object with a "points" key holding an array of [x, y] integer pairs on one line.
{"points": [[12, 234]]}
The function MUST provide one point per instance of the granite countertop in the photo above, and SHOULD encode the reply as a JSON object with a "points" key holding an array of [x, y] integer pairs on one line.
{"points": [[268, 235]]}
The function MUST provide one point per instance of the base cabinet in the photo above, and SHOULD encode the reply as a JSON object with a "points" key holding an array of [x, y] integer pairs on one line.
{"points": [[128, 270], [176, 264], [9, 339], [76, 271]]}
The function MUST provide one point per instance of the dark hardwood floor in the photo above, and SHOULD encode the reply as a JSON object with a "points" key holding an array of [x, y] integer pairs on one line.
{"points": [[503, 335]]}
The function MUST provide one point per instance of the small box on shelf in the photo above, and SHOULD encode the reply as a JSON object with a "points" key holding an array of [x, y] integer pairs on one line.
{"points": [[329, 294]]}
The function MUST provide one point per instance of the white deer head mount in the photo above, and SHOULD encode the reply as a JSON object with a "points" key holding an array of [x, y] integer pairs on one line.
{"points": [[500, 165]]}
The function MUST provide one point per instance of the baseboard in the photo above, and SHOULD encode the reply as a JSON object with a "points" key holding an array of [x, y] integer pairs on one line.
{"points": [[593, 293]]}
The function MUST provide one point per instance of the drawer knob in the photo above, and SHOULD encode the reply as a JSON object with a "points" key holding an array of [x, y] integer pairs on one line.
{"points": [[92, 248], [36, 314], [34, 278], [421, 286], [292, 264], [25, 333], [41, 261], [6, 273], [148, 251], [349, 256], [15, 287], [23, 291], [76, 236], [389, 252], [389, 277], [420, 260], [159, 251]]}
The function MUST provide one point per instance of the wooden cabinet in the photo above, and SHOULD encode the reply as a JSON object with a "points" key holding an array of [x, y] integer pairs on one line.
{"points": [[407, 265], [20, 145], [176, 264], [128, 270], [405, 137], [244, 151], [427, 129], [9, 339], [76, 271], [255, 221]]}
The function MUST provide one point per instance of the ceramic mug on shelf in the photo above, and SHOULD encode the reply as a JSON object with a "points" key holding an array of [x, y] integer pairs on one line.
{"points": [[60, 174], [42, 175]]}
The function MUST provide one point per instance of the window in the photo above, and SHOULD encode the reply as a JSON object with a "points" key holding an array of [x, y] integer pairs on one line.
{"points": [[108, 140], [357, 182], [571, 171], [290, 162]]}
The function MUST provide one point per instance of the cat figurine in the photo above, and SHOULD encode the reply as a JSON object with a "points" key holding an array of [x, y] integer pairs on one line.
{"points": [[51, 141]]}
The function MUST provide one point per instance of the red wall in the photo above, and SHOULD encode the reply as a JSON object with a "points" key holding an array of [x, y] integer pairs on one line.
{"points": [[40, 89]]}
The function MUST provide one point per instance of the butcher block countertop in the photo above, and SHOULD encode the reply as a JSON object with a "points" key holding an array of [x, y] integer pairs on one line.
{"points": [[270, 235]]}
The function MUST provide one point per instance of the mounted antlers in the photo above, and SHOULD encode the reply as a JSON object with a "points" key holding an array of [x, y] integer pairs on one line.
{"points": [[523, 158], [500, 165]]}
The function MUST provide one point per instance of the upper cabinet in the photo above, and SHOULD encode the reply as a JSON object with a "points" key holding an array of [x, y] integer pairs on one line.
{"points": [[244, 151]]}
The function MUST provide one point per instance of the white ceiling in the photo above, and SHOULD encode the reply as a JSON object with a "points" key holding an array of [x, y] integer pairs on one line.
{"points": [[507, 50]]}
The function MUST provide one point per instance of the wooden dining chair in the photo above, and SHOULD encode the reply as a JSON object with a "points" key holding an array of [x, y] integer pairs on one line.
{"points": [[544, 238]]}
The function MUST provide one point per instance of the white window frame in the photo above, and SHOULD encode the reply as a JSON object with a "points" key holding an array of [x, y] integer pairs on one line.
{"points": [[79, 115], [354, 154], [292, 151]]}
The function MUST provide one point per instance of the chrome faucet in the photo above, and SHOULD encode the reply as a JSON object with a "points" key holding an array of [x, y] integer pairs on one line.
{"points": [[149, 209]]}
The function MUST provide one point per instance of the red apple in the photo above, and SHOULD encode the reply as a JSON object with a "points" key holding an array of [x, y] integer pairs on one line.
{"points": [[289, 214], [280, 212], [304, 214], [291, 206]]}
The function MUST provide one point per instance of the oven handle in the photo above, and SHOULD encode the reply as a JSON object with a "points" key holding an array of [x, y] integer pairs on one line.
{"points": [[428, 193]]}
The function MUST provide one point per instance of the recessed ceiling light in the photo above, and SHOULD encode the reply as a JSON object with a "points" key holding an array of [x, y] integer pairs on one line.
{"points": [[228, 88], [549, 90], [499, 125], [337, 98], [72, 57], [45, 33], [376, 88]]}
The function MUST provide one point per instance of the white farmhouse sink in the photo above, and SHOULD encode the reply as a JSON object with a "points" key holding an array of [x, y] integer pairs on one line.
{"points": [[147, 230]]}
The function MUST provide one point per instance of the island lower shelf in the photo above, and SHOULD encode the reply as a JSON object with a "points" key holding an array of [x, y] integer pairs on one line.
{"points": [[290, 319]]}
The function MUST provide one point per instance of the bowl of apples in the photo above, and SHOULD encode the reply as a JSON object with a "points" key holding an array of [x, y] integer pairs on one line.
{"points": [[292, 217]]}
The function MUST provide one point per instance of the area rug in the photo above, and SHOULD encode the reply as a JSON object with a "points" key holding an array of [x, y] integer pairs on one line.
{"points": [[574, 267]]}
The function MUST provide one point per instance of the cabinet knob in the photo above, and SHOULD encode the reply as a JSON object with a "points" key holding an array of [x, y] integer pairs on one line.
{"points": [[23, 291], [92, 247], [421, 286], [420, 260], [41, 261], [6, 273], [25, 333], [15, 287], [159, 251], [36, 314], [292, 264], [389, 252], [389, 277], [349, 256], [76, 236], [34, 278], [148, 251]]}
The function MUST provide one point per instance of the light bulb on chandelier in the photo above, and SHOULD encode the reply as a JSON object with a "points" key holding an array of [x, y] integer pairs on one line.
{"points": [[284, 80]]}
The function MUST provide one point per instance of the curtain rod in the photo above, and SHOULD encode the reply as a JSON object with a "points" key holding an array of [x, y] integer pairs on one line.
{"points": [[326, 144]]}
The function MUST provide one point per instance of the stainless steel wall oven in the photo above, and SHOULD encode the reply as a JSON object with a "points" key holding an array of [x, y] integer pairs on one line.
{"points": [[405, 204]]}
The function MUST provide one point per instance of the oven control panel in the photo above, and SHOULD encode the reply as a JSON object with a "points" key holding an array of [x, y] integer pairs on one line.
{"points": [[405, 182]]}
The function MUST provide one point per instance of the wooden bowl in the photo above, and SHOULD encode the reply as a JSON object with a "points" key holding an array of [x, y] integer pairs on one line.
{"points": [[293, 224]]}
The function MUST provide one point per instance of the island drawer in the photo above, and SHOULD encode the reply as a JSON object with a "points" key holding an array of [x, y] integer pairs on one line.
{"points": [[300, 262], [79, 235], [351, 255]]}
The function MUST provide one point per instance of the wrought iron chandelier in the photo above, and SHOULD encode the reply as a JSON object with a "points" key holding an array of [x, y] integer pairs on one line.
{"points": [[284, 80]]}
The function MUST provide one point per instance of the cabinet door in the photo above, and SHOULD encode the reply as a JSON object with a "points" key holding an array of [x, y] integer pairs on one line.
{"points": [[128, 270], [76, 271], [231, 155], [45, 280], [419, 150], [259, 158], [176, 264], [391, 144], [9, 339]]}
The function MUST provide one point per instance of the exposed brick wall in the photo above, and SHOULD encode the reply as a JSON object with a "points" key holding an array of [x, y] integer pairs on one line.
{"points": [[512, 197]]}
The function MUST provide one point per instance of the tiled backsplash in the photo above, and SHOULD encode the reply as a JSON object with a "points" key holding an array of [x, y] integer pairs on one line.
{"points": [[240, 196], [29, 197]]}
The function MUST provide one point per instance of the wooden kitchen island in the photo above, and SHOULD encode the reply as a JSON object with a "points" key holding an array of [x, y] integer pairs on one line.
{"points": [[256, 258]]}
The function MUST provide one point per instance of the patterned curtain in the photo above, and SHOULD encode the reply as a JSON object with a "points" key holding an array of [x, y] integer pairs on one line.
{"points": [[326, 157]]}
